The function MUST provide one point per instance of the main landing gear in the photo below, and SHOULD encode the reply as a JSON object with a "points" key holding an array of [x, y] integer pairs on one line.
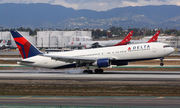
{"points": [[96, 71], [87, 71], [161, 64]]}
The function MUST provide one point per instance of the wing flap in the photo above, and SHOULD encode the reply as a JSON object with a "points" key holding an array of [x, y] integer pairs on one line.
{"points": [[77, 60]]}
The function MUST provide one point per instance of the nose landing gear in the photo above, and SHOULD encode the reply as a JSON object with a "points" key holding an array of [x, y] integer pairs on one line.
{"points": [[161, 64]]}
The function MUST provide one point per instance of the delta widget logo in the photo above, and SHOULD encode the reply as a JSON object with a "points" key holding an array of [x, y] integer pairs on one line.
{"points": [[143, 47]]}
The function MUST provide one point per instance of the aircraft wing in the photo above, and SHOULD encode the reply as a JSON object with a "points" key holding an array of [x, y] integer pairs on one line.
{"points": [[71, 59], [93, 45], [78, 60]]}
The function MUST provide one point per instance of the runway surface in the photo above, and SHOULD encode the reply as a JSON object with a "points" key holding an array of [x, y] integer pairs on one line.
{"points": [[78, 74], [93, 101], [139, 101]]}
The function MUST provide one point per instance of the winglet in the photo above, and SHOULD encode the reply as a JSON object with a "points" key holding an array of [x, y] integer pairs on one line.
{"points": [[155, 37], [25, 47], [125, 40]]}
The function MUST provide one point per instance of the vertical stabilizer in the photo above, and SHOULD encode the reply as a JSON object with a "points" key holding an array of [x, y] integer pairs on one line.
{"points": [[125, 40], [155, 37], [4, 41], [25, 47]]}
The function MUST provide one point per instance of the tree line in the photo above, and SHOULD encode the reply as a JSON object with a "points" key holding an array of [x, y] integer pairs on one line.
{"points": [[111, 32]]}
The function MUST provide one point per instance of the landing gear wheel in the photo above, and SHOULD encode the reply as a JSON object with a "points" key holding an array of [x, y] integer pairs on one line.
{"points": [[98, 71], [161, 64], [88, 71], [101, 71]]}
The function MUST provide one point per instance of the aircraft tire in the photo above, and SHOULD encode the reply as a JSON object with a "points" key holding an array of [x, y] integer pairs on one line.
{"points": [[98, 71], [161, 64], [88, 71], [101, 71]]}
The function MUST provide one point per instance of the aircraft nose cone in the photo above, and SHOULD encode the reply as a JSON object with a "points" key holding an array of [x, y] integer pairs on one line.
{"points": [[172, 50]]}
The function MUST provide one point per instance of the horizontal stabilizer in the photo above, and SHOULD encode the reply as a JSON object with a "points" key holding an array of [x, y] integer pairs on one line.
{"points": [[22, 62]]}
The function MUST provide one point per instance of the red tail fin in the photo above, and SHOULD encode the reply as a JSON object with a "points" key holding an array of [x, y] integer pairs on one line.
{"points": [[125, 40], [155, 37]]}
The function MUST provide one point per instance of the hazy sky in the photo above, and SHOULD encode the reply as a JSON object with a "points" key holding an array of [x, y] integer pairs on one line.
{"points": [[98, 5]]}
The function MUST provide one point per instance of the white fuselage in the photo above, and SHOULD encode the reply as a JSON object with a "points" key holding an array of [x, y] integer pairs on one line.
{"points": [[132, 52]]}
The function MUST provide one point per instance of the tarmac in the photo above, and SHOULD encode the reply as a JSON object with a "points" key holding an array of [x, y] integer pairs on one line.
{"points": [[91, 102]]}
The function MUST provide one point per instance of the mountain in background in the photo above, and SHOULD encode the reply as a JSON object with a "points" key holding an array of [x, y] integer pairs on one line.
{"points": [[56, 16]]}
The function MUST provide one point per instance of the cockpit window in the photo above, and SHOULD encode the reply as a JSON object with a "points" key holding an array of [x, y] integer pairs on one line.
{"points": [[166, 46]]}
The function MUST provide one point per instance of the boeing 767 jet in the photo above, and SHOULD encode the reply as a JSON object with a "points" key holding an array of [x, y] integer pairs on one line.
{"points": [[100, 57]]}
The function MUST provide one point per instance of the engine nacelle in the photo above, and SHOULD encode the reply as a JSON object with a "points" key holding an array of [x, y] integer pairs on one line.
{"points": [[88, 46], [102, 62]]}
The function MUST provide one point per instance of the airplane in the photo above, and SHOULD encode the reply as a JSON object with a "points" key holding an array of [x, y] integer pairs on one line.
{"points": [[100, 57], [96, 44], [4, 44]]}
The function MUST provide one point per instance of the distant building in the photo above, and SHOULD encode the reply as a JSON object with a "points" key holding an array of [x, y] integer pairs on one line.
{"points": [[59, 39], [51, 39], [11, 41], [171, 40]]}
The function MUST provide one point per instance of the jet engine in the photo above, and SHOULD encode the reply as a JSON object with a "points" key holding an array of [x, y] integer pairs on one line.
{"points": [[102, 62], [88, 46]]}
